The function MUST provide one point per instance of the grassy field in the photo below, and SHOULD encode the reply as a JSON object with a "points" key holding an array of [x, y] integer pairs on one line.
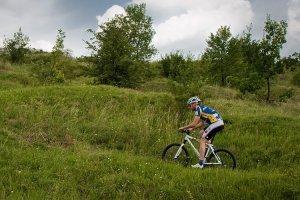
{"points": [[102, 142]]}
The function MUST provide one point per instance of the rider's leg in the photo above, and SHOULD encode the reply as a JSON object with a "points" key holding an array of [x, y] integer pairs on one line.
{"points": [[202, 145], [203, 142], [206, 137], [201, 133], [200, 163]]}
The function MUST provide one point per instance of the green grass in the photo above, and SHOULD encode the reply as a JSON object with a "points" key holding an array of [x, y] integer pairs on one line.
{"points": [[12, 77], [76, 141], [34, 172], [64, 142]]}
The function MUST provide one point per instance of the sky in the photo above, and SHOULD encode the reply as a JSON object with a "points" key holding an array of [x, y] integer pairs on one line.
{"points": [[179, 24]]}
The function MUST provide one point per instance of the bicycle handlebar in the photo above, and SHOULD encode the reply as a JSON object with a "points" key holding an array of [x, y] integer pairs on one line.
{"points": [[185, 131]]}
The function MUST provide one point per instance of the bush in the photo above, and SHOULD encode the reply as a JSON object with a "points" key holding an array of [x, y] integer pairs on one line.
{"points": [[54, 68], [249, 83], [296, 79], [4, 64], [70, 67], [178, 67], [48, 74], [124, 73], [16, 47], [286, 95], [152, 70]]}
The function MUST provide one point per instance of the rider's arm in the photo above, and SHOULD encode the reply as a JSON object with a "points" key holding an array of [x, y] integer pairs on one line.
{"points": [[193, 125], [200, 125]]}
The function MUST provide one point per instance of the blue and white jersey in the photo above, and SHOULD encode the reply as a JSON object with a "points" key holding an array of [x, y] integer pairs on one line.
{"points": [[207, 114]]}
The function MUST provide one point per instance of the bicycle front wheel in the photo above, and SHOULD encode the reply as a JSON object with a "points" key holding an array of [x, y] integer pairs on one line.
{"points": [[222, 158], [176, 154]]}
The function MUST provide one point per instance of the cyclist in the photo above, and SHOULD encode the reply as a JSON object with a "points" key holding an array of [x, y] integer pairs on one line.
{"points": [[208, 120]]}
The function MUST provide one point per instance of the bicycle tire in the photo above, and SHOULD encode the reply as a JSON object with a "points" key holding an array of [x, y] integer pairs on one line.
{"points": [[170, 151], [228, 161]]}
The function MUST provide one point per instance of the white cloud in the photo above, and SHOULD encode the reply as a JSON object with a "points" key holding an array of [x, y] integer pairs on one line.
{"points": [[110, 14], [40, 20], [42, 44], [27, 14], [188, 23], [294, 20]]}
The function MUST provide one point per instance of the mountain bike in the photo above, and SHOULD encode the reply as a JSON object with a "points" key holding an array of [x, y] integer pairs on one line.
{"points": [[178, 153]]}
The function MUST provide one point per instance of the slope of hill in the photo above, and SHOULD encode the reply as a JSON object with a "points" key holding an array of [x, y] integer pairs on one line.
{"points": [[105, 142]]}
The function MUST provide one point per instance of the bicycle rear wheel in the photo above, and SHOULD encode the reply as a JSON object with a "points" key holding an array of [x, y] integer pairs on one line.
{"points": [[169, 154], [227, 159]]}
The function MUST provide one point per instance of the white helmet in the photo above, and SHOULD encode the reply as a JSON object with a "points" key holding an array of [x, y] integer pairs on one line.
{"points": [[194, 99]]}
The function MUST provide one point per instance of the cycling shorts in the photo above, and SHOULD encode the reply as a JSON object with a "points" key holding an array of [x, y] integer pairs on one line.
{"points": [[213, 129]]}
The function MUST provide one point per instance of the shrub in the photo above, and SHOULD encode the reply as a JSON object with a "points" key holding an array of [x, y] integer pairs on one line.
{"points": [[16, 47], [286, 95], [54, 68], [125, 73], [296, 79], [249, 83], [178, 67], [48, 74], [151, 70]]}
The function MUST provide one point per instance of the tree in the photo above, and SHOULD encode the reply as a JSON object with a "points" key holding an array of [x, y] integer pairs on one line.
{"points": [[58, 48], [110, 47], [140, 32], [222, 55], [292, 62], [57, 66], [178, 67], [17, 46], [246, 78], [122, 46], [270, 46]]}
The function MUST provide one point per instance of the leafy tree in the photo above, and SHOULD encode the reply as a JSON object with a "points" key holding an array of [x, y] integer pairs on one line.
{"points": [[122, 47], [111, 46], [59, 43], [245, 77], [270, 47], [292, 62], [140, 32], [178, 67], [222, 55], [57, 66], [59, 47], [17, 46]]}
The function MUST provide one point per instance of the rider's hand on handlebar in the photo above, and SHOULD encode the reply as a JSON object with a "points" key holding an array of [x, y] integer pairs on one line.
{"points": [[181, 129], [187, 130]]}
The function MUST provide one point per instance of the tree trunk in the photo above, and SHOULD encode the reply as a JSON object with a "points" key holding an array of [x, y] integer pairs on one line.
{"points": [[223, 80], [268, 95], [222, 76]]}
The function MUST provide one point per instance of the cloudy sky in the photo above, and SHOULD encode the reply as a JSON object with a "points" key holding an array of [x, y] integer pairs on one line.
{"points": [[179, 24]]}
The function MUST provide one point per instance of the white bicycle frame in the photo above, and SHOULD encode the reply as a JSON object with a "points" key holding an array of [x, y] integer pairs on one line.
{"points": [[210, 149]]}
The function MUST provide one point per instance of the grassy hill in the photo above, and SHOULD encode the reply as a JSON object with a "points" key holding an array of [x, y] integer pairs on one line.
{"points": [[102, 142]]}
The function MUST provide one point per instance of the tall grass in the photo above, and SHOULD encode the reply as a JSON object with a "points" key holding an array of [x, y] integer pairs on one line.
{"points": [[104, 142], [82, 172]]}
